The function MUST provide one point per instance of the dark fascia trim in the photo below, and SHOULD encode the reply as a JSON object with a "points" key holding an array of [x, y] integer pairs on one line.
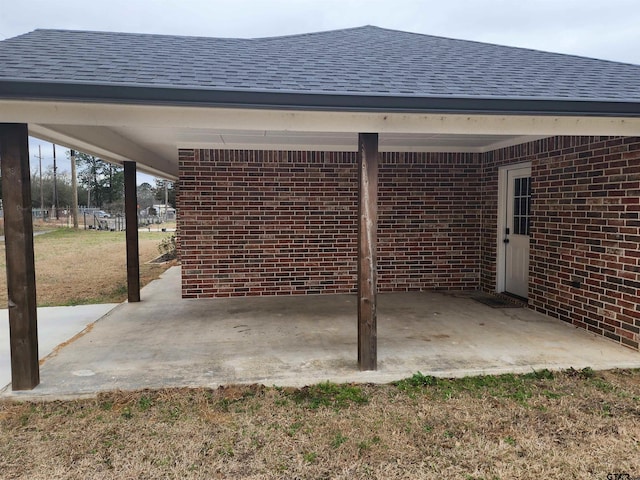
{"points": [[151, 95]]}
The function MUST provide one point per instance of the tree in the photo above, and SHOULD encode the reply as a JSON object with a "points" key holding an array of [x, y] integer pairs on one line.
{"points": [[103, 181], [145, 194], [64, 187], [159, 192], [114, 187]]}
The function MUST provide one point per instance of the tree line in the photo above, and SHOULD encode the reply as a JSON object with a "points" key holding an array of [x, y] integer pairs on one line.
{"points": [[100, 185]]}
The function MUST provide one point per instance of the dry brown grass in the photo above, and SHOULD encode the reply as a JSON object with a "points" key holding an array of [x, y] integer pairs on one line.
{"points": [[570, 425], [85, 266]]}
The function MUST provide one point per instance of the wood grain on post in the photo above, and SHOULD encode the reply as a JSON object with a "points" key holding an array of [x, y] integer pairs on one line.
{"points": [[131, 225], [367, 246], [18, 234]]}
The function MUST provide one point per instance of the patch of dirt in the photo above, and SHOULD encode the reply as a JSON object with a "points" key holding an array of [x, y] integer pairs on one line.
{"points": [[164, 258]]}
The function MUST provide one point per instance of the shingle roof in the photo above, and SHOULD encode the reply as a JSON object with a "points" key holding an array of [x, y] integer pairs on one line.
{"points": [[364, 61]]}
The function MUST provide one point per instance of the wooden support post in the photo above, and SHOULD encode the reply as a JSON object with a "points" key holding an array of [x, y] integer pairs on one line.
{"points": [[18, 234], [367, 245], [131, 225]]}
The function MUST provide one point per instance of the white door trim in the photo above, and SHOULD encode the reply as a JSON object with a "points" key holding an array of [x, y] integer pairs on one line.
{"points": [[502, 222]]}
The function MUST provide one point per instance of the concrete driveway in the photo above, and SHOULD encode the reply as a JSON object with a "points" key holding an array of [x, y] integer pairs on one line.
{"points": [[165, 341]]}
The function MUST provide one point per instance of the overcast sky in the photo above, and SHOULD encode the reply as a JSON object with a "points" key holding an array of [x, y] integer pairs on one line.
{"points": [[594, 28], [607, 29]]}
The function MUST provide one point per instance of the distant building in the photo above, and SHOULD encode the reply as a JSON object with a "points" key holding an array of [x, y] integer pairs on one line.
{"points": [[165, 212]]}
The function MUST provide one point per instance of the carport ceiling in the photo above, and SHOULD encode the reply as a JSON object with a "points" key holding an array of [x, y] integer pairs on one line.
{"points": [[165, 141]]}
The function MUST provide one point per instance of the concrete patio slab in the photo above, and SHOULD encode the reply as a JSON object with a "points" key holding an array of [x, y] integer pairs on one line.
{"points": [[56, 325], [165, 341]]}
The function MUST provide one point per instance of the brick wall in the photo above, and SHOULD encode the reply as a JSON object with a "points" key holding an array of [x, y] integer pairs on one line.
{"points": [[258, 223], [269, 223], [585, 232], [428, 221]]}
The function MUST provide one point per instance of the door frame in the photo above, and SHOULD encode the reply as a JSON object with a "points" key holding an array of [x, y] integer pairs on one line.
{"points": [[502, 223]]}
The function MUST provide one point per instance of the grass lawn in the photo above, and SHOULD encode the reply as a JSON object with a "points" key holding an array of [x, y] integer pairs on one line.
{"points": [[85, 266], [574, 424]]}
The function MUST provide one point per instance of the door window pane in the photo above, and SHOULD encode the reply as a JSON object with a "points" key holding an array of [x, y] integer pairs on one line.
{"points": [[521, 206]]}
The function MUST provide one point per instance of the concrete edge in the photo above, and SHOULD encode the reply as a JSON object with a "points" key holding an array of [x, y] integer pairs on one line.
{"points": [[363, 378]]}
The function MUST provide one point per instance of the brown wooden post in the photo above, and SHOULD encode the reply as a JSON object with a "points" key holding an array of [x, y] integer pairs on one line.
{"points": [[18, 234], [367, 245], [131, 225]]}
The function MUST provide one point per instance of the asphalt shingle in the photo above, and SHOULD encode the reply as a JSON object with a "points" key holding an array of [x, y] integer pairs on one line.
{"points": [[359, 61]]}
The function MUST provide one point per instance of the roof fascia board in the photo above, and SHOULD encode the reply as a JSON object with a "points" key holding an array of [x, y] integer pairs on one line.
{"points": [[96, 93], [87, 114], [325, 147]]}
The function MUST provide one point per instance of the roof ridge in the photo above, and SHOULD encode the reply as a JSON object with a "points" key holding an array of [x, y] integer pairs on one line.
{"points": [[501, 45], [166, 35], [328, 32], [134, 34], [319, 32]]}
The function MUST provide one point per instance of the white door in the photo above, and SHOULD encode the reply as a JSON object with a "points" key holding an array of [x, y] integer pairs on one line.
{"points": [[516, 234]]}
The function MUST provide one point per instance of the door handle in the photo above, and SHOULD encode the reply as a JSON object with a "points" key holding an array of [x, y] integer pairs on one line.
{"points": [[506, 240]]}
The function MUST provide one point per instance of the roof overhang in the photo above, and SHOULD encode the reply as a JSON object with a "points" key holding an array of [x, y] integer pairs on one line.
{"points": [[320, 100], [151, 134]]}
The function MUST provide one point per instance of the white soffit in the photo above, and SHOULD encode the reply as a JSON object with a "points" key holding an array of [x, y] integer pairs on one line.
{"points": [[109, 145], [332, 141]]}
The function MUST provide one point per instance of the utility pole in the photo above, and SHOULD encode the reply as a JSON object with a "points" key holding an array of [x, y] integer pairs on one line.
{"points": [[166, 199], [74, 189], [41, 191], [110, 183], [55, 184]]}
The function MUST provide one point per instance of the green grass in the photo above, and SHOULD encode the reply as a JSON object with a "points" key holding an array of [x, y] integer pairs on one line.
{"points": [[328, 394], [515, 387], [338, 440]]}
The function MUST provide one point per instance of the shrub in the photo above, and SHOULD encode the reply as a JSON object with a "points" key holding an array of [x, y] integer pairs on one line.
{"points": [[167, 248]]}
